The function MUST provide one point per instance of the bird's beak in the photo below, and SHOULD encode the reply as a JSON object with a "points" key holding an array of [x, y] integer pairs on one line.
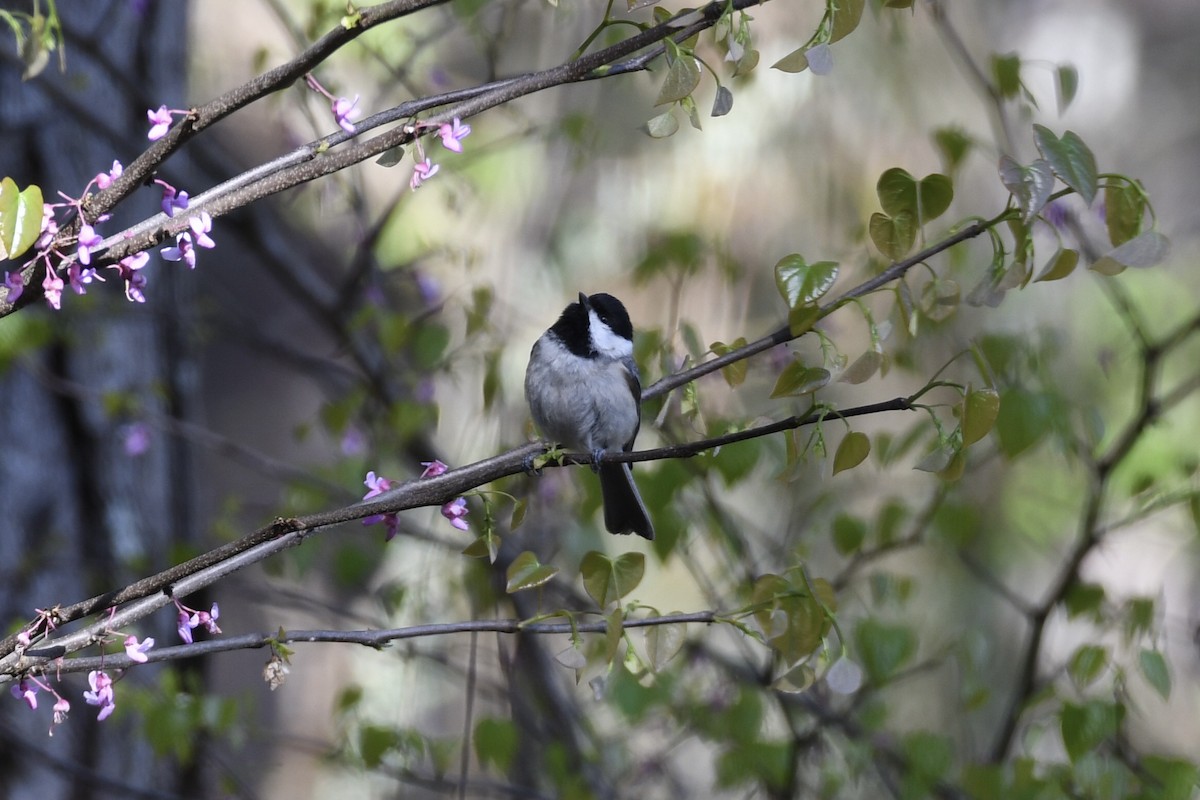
{"points": [[583, 301]]}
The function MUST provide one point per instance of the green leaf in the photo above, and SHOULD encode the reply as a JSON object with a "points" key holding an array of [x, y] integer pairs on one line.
{"points": [[1006, 70], [953, 145], [735, 373], [863, 368], [1025, 417], [486, 546], [526, 572], [1154, 669], [1084, 598], [614, 632], [374, 742], [802, 318], [1124, 207], [897, 191], [936, 192], [682, 78], [662, 126], [1144, 250], [852, 451], [793, 62], [846, 17], [1066, 80], [894, 236], [1086, 727], [20, 218], [1087, 664], [1060, 266], [723, 102], [663, 642], [1071, 160], [1030, 186], [792, 620], [802, 284], [848, 534], [797, 380], [496, 742], [607, 580], [979, 411], [883, 648]]}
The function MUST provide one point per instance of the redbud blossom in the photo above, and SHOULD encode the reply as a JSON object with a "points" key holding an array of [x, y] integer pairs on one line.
{"points": [[343, 111], [105, 179], [101, 693], [433, 469], [456, 511], [160, 123], [453, 133], [137, 650], [422, 171], [26, 692], [12, 282], [88, 238], [52, 287]]}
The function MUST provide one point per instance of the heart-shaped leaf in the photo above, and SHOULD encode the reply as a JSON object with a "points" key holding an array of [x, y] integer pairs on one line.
{"points": [[683, 76], [1071, 160], [1031, 186], [853, 450], [797, 379], [607, 580], [662, 126], [846, 16], [897, 191], [20, 218], [526, 572], [1145, 250], [662, 644], [795, 61], [894, 236], [802, 284]]}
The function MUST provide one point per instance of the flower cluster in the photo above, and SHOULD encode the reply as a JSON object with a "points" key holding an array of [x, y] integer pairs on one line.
{"points": [[454, 511], [189, 619], [78, 264], [451, 133]]}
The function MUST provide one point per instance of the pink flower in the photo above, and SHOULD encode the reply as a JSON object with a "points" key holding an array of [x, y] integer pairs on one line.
{"points": [[422, 171], [60, 712], [172, 199], [49, 227], [208, 619], [433, 469], [80, 277], [343, 111], [160, 122], [453, 133], [137, 650], [377, 485], [101, 693], [105, 179], [88, 239], [201, 225], [456, 511], [12, 282], [52, 286], [26, 692], [184, 623]]}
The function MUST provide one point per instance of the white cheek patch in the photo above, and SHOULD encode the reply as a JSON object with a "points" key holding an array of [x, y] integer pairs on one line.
{"points": [[606, 342]]}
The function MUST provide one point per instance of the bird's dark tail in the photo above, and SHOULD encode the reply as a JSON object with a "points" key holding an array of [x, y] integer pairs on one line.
{"points": [[624, 511]]}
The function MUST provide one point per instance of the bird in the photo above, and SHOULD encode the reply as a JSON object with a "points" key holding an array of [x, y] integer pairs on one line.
{"points": [[584, 393]]}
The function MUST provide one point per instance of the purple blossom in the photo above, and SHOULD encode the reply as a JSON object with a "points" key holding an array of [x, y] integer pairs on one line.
{"points": [[160, 122], [201, 225], [79, 277], [128, 268], [181, 251], [137, 650], [354, 443], [172, 199], [12, 282], [136, 439], [26, 692], [88, 239], [453, 133], [49, 227], [52, 287], [433, 468], [422, 171], [101, 693], [105, 179], [377, 485], [343, 111], [135, 288], [184, 626], [456, 511], [208, 619]]}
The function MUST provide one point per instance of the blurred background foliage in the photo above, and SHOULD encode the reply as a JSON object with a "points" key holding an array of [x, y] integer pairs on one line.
{"points": [[1013, 619]]}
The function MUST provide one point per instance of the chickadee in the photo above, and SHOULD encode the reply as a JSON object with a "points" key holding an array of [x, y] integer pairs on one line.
{"points": [[584, 392]]}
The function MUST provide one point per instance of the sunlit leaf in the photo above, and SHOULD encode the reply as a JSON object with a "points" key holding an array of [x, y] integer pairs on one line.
{"points": [[802, 284], [1030, 186], [526, 572], [20, 218], [979, 411], [1071, 160], [853, 450]]}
